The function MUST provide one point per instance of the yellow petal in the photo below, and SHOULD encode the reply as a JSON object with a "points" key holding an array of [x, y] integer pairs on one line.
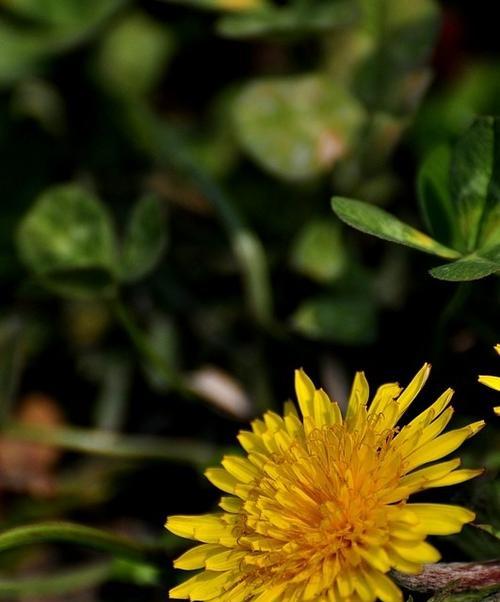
{"points": [[204, 586], [358, 398], [209, 528], [376, 557], [402, 564], [384, 588], [196, 557], [272, 594], [490, 381], [323, 411], [385, 394], [221, 479], [419, 553], [304, 389], [434, 410], [496, 409], [251, 442], [231, 504], [424, 476], [225, 560], [412, 390], [458, 476], [441, 519], [497, 348], [240, 468], [442, 445]]}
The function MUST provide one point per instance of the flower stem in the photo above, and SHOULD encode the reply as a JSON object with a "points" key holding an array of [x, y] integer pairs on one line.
{"points": [[109, 444]]}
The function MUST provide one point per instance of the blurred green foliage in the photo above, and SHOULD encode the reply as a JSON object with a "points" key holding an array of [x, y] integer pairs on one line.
{"points": [[168, 252]]}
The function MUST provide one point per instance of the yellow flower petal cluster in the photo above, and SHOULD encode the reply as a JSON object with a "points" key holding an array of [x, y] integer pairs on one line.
{"points": [[493, 382], [318, 509]]}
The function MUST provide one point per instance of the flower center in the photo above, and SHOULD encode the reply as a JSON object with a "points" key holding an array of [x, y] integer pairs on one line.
{"points": [[318, 501]]}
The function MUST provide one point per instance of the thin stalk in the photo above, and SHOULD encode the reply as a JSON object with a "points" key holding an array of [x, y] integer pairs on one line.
{"points": [[11, 366], [454, 305], [163, 144], [111, 406], [141, 342], [108, 444], [89, 537], [64, 582]]}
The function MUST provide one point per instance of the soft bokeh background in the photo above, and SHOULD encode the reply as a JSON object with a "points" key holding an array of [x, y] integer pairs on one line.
{"points": [[168, 254]]}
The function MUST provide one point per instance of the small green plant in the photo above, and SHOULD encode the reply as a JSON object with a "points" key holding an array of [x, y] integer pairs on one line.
{"points": [[459, 196]]}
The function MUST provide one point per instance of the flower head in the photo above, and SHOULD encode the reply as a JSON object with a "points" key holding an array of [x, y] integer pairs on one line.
{"points": [[318, 509], [493, 382]]}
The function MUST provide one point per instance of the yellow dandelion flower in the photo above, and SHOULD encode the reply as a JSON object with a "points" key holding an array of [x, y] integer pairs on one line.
{"points": [[318, 509], [492, 381]]}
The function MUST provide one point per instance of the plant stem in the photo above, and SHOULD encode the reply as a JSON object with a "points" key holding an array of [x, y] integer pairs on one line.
{"points": [[141, 342], [105, 443], [454, 305], [90, 537], [64, 582], [161, 142]]}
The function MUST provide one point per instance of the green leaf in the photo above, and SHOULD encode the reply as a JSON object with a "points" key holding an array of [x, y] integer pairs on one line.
{"points": [[350, 320], [133, 55], [297, 127], [433, 187], [468, 268], [145, 240], [378, 222], [318, 251], [289, 20], [66, 239], [472, 267], [475, 178], [491, 530]]}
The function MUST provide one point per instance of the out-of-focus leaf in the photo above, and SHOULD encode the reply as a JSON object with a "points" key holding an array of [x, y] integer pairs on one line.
{"points": [[39, 100], [433, 186], [472, 267], [446, 114], [318, 251], [350, 320], [67, 240], [62, 13], [163, 338], [26, 48], [296, 127], [289, 20], [473, 178], [222, 5], [133, 55], [403, 36], [145, 240], [378, 222], [21, 52]]}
